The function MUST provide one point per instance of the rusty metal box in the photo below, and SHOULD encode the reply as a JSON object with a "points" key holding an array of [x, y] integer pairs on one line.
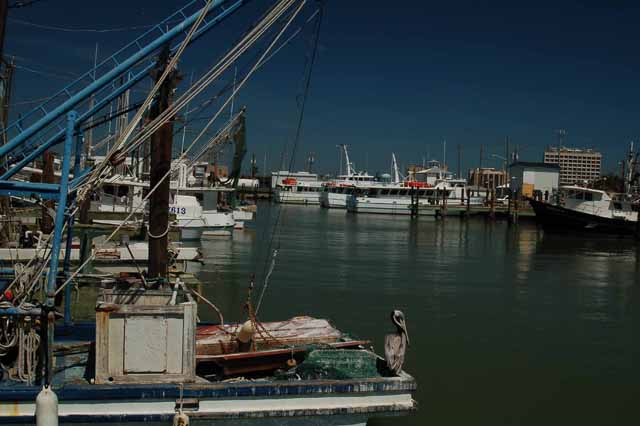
{"points": [[145, 340]]}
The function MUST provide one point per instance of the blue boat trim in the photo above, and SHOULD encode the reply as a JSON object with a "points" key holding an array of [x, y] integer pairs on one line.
{"points": [[213, 390]]}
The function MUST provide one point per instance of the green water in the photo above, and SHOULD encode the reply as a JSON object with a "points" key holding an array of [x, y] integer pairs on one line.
{"points": [[508, 325]]}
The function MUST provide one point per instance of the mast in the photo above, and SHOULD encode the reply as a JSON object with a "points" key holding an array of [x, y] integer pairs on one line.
{"points": [[394, 166], [350, 171], [631, 169], [161, 144], [444, 154]]}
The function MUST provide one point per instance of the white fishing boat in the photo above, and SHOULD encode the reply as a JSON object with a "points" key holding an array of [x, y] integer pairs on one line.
{"points": [[437, 176], [293, 191], [335, 193], [396, 199], [192, 220]]}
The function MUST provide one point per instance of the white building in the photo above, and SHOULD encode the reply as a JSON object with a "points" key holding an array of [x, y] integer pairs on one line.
{"points": [[534, 179], [576, 165]]}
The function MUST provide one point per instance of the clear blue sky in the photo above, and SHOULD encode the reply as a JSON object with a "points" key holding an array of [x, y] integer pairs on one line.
{"points": [[394, 76]]}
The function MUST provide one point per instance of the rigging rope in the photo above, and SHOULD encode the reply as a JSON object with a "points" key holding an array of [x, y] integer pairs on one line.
{"points": [[124, 136], [223, 132], [202, 83]]}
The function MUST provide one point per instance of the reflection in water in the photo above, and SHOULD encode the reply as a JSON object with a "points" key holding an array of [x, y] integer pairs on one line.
{"points": [[512, 324]]}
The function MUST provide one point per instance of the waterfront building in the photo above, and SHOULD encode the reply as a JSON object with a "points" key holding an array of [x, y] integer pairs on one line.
{"points": [[534, 179], [487, 177], [576, 165]]}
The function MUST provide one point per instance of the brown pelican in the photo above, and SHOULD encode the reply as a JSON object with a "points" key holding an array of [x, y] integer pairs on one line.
{"points": [[395, 344]]}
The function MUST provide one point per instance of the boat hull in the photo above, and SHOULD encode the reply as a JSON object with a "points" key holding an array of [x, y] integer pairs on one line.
{"points": [[318, 402], [398, 207], [332, 200], [558, 218], [305, 198]]}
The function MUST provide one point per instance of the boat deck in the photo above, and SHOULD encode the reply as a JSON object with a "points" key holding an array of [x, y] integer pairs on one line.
{"points": [[266, 397]]}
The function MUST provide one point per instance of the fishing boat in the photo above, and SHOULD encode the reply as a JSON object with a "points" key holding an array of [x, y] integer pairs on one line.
{"points": [[336, 192], [192, 220], [293, 191], [397, 199], [335, 381], [576, 208], [146, 357]]}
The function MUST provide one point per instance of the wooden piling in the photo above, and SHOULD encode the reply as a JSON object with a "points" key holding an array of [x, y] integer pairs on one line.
{"points": [[161, 144]]}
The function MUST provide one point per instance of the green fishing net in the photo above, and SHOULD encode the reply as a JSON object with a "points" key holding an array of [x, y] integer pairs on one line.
{"points": [[334, 364]]}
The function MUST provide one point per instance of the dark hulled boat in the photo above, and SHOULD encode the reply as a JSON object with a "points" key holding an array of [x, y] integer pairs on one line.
{"points": [[586, 210]]}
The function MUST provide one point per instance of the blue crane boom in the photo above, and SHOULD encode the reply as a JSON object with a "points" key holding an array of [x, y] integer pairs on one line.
{"points": [[58, 121], [20, 149]]}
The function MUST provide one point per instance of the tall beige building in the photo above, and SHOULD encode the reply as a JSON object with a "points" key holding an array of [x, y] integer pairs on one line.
{"points": [[576, 165]]}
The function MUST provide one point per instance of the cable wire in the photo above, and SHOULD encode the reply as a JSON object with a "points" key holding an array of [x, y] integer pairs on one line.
{"points": [[276, 230], [82, 30]]}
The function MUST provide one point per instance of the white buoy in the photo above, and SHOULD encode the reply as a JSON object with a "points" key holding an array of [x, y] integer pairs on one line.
{"points": [[246, 332], [46, 407], [180, 419]]}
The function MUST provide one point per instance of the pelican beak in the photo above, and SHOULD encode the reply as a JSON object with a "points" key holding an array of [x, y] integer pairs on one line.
{"points": [[406, 333]]}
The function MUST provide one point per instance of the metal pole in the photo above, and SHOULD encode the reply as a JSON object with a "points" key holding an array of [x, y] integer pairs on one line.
{"points": [[459, 161], [70, 221], [46, 224], [57, 240]]}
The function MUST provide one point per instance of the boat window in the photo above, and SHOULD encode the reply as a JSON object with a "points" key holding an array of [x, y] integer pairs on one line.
{"points": [[588, 196], [393, 192], [597, 197], [403, 192], [384, 192]]}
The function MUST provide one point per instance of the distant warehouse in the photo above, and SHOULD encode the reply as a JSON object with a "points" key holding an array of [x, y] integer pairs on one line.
{"points": [[539, 180], [576, 165]]}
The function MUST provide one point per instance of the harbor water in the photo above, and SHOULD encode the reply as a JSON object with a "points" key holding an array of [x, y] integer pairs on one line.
{"points": [[507, 324]]}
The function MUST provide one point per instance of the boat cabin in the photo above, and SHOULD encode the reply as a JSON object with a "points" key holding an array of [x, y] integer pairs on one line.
{"points": [[596, 202]]}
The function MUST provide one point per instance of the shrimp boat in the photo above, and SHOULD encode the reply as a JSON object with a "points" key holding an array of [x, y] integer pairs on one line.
{"points": [[147, 357]]}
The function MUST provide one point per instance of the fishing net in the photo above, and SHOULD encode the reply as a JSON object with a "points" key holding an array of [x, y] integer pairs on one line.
{"points": [[335, 364]]}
